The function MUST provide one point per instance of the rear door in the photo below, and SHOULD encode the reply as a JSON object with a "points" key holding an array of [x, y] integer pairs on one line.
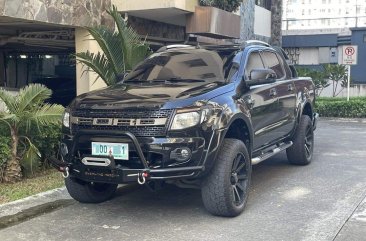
{"points": [[285, 115]]}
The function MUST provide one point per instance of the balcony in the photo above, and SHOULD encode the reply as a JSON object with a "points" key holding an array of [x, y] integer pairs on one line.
{"points": [[166, 11]]}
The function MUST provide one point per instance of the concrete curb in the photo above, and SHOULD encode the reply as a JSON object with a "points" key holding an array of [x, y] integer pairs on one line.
{"points": [[29, 207], [336, 119]]}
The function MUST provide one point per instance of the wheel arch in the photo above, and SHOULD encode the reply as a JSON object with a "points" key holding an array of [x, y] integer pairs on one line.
{"points": [[240, 128], [307, 110]]}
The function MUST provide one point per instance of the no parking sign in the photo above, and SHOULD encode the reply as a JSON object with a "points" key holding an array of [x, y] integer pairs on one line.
{"points": [[349, 55]]}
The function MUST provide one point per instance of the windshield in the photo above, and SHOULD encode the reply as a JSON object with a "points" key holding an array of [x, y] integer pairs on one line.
{"points": [[180, 65]]}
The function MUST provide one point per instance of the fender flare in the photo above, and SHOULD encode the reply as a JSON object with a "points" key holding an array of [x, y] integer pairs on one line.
{"points": [[248, 123], [301, 110]]}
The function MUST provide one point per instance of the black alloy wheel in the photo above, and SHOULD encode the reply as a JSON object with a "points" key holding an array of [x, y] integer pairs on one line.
{"points": [[239, 179]]}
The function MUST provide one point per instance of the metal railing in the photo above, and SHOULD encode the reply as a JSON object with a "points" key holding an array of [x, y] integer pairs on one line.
{"points": [[320, 23]]}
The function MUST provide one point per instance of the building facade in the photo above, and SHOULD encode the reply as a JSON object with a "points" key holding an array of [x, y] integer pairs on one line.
{"points": [[320, 14], [38, 37], [314, 50], [314, 32]]}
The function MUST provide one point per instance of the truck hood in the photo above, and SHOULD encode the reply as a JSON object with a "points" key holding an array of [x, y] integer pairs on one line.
{"points": [[150, 95]]}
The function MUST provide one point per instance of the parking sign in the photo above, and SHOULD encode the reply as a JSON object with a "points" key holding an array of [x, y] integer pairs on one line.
{"points": [[349, 56]]}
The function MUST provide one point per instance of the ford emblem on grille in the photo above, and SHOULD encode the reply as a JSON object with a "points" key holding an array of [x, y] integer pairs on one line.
{"points": [[102, 121]]}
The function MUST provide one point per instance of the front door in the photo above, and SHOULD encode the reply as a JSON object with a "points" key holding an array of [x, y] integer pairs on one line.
{"points": [[263, 102]]}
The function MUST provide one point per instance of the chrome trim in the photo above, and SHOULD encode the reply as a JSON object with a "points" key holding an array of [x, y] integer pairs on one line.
{"points": [[123, 122], [96, 161], [105, 121], [156, 122], [119, 121]]}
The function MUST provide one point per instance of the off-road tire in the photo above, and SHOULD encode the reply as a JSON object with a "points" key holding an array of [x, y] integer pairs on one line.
{"points": [[218, 192], [86, 192], [301, 152]]}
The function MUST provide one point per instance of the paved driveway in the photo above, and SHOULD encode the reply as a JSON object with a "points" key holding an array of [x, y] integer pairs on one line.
{"points": [[286, 202]]}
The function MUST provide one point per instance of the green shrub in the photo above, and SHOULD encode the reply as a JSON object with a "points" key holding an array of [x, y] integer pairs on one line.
{"points": [[227, 5], [4, 154], [340, 107], [333, 99], [46, 139]]}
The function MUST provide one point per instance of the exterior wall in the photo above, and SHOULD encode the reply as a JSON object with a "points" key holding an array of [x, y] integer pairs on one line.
{"points": [[315, 40], [313, 55], [152, 29], [309, 56], [327, 48], [262, 22], [65, 12], [86, 80], [137, 5], [358, 90], [358, 71], [213, 22]]}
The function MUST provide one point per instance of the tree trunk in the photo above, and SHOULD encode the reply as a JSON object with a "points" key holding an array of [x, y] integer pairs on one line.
{"points": [[276, 23], [13, 171]]}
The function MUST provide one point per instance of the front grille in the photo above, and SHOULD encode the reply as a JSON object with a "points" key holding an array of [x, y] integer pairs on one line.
{"points": [[141, 131], [122, 121], [123, 114]]}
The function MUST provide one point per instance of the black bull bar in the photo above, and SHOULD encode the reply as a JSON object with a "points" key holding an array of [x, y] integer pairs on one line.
{"points": [[113, 174]]}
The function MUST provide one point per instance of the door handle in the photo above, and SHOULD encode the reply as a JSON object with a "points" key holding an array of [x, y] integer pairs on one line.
{"points": [[273, 92], [290, 87]]}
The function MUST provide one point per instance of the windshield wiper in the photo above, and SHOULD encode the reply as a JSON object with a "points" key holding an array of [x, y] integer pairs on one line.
{"points": [[177, 79], [169, 80], [134, 80]]}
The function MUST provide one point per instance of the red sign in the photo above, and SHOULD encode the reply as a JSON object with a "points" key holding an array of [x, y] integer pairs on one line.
{"points": [[350, 51], [349, 56]]}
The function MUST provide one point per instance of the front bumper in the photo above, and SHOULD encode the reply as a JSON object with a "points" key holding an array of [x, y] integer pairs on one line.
{"points": [[143, 169]]}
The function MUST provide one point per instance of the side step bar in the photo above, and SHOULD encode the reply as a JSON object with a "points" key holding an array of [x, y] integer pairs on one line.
{"points": [[271, 153]]}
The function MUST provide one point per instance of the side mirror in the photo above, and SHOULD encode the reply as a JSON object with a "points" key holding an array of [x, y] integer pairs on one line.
{"points": [[121, 77], [261, 76]]}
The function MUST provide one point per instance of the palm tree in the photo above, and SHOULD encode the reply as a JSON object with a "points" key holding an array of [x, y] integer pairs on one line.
{"points": [[121, 48], [23, 111]]}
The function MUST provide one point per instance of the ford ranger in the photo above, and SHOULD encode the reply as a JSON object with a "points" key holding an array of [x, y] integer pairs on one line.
{"points": [[194, 116]]}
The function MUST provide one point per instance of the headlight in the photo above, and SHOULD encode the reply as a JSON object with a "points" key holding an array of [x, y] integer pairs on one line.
{"points": [[185, 120], [66, 119]]}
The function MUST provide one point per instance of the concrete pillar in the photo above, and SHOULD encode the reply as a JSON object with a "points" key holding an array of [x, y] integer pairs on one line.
{"points": [[276, 36], [247, 12], [85, 80]]}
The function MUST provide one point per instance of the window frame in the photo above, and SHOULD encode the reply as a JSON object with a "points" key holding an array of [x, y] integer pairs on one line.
{"points": [[234, 79], [246, 63], [284, 77]]}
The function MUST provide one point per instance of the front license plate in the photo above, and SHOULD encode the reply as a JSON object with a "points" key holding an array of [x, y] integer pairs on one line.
{"points": [[118, 150]]}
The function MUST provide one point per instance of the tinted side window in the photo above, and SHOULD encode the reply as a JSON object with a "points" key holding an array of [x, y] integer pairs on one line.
{"points": [[232, 69], [271, 61], [254, 62]]}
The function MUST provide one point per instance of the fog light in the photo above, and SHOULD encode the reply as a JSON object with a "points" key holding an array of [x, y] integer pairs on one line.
{"points": [[181, 154], [64, 149]]}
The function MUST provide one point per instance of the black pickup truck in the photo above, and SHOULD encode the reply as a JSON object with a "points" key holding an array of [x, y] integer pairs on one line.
{"points": [[193, 116]]}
